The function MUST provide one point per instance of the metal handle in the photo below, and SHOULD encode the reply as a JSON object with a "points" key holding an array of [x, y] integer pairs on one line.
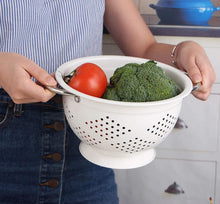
{"points": [[196, 86], [64, 93], [174, 189]]}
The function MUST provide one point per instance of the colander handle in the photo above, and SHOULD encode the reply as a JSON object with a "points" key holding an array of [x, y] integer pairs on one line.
{"points": [[196, 86], [64, 93]]}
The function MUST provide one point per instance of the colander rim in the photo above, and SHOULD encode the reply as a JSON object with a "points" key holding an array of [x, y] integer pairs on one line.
{"points": [[60, 73]]}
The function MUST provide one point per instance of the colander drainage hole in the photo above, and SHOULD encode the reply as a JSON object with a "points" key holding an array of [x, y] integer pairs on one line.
{"points": [[133, 145], [108, 127], [163, 126], [69, 115]]}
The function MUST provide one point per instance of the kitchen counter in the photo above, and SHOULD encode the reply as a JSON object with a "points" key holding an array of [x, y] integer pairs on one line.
{"points": [[213, 30]]}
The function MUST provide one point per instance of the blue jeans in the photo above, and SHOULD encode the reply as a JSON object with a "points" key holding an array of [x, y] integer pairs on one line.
{"points": [[40, 161]]}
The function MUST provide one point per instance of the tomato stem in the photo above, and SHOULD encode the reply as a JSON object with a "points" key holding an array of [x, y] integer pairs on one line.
{"points": [[68, 77]]}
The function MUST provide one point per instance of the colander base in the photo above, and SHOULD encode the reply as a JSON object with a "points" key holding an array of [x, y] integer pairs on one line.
{"points": [[107, 159]]}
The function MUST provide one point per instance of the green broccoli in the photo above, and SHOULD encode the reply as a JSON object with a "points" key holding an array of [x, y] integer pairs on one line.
{"points": [[140, 83]]}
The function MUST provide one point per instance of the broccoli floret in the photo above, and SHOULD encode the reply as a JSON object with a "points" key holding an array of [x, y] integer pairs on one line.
{"points": [[111, 94], [140, 83]]}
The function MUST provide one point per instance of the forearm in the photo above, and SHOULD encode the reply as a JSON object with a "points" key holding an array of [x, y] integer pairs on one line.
{"points": [[160, 52], [131, 33]]}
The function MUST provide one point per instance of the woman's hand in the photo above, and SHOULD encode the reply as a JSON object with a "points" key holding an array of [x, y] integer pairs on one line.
{"points": [[124, 17], [15, 78], [191, 57]]}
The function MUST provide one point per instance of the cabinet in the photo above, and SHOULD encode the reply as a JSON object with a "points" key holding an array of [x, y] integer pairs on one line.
{"points": [[189, 156], [147, 185]]}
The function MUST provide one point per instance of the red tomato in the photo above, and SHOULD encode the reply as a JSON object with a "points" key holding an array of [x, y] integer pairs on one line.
{"points": [[90, 79]]}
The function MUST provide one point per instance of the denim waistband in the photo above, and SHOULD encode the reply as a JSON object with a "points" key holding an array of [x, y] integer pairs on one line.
{"points": [[55, 102]]}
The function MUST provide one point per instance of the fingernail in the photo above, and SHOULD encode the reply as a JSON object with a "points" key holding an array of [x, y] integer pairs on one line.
{"points": [[196, 78], [51, 81]]}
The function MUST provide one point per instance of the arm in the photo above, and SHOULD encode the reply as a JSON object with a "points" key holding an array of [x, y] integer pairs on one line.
{"points": [[128, 29], [15, 78]]}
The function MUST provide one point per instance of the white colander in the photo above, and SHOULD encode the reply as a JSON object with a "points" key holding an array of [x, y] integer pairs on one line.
{"points": [[116, 134]]}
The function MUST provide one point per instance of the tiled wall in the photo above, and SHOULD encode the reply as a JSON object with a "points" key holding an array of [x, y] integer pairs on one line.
{"points": [[143, 6]]}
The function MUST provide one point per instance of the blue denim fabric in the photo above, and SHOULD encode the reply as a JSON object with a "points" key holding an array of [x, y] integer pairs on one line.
{"points": [[28, 138]]}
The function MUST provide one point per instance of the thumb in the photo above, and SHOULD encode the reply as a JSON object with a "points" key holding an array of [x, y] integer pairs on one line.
{"points": [[41, 75], [194, 74]]}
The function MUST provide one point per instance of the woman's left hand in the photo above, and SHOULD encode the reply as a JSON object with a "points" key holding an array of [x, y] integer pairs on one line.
{"points": [[191, 57]]}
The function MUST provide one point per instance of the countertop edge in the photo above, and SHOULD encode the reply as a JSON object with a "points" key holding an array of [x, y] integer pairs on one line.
{"points": [[183, 30]]}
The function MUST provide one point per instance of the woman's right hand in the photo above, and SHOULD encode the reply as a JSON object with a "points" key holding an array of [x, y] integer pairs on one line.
{"points": [[15, 78]]}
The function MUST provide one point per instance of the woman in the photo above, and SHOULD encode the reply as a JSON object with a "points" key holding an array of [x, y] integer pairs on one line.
{"points": [[40, 161]]}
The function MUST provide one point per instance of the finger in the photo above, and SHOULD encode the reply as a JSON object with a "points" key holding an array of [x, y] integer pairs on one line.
{"points": [[40, 93], [32, 93], [208, 75], [202, 95], [39, 74], [25, 100], [53, 75], [194, 73], [188, 64], [30, 99]]}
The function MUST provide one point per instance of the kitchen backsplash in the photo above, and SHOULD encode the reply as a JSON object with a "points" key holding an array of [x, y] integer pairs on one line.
{"points": [[143, 6]]}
